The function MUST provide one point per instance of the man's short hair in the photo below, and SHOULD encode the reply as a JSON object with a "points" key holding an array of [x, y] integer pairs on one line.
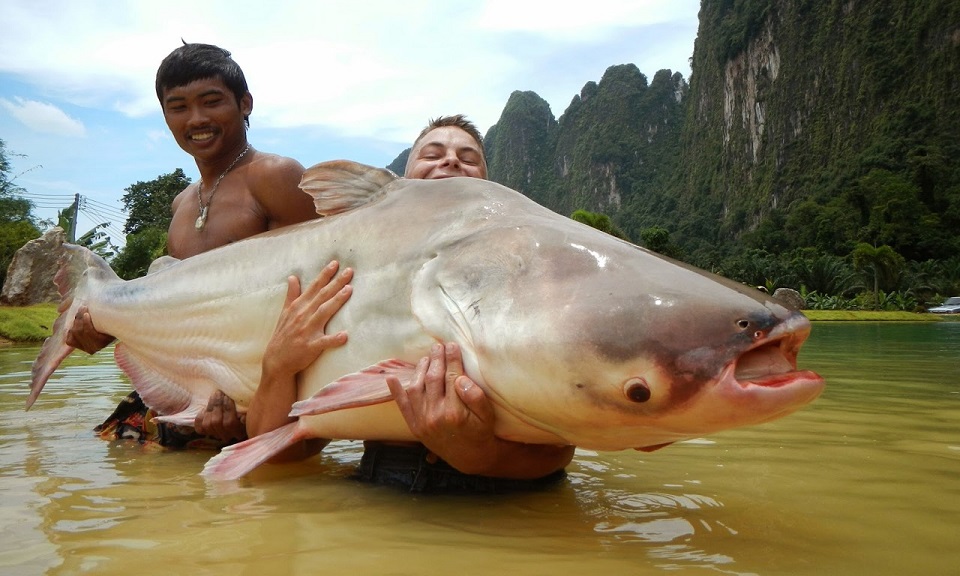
{"points": [[192, 62], [458, 120]]}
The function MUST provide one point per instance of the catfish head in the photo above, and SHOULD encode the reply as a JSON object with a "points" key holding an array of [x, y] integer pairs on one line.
{"points": [[608, 346]]}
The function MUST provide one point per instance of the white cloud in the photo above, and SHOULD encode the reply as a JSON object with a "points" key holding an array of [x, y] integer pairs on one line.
{"points": [[377, 68], [43, 117], [330, 79], [575, 21]]}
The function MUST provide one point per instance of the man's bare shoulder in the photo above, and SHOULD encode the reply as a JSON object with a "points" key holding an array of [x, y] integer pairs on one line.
{"points": [[274, 166], [179, 198], [274, 174], [274, 181]]}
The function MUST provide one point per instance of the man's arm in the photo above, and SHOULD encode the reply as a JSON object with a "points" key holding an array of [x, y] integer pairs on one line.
{"points": [[452, 417], [297, 341]]}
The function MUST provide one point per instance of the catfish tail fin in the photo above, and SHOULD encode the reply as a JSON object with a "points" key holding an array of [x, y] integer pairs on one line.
{"points": [[78, 267]]}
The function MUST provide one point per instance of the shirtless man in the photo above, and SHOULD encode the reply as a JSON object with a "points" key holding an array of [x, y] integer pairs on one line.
{"points": [[242, 192], [445, 409]]}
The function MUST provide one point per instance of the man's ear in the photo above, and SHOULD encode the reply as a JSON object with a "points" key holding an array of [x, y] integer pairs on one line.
{"points": [[246, 104]]}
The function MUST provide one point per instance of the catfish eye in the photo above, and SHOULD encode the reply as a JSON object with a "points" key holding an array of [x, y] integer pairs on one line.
{"points": [[637, 390]]}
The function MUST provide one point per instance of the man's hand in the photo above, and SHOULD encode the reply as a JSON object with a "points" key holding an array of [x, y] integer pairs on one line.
{"points": [[84, 336], [300, 335], [448, 412], [453, 418], [220, 420], [299, 339]]}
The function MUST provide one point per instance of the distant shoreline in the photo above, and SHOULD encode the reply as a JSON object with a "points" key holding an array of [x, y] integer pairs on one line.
{"points": [[877, 316], [31, 324]]}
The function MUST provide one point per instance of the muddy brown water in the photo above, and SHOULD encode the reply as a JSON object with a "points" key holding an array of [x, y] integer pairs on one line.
{"points": [[866, 480]]}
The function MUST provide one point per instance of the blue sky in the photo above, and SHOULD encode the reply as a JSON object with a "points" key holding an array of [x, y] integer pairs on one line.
{"points": [[330, 79]]}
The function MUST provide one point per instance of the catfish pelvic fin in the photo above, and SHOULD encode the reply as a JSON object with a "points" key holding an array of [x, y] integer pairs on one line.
{"points": [[364, 388]]}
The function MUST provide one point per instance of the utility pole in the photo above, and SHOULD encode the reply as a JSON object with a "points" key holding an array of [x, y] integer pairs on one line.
{"points": [[72, 237]]}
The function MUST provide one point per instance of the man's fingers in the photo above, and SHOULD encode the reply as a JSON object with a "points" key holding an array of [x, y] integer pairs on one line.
{"points": [[399, 396], [327, 283], [454, 363], [434, 381], [474, 398], [331, 306], [293, 290], [207, 421], [328, 341]]}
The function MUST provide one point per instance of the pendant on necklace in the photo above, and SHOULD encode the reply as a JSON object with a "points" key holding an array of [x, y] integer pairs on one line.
{"points": [[202, 218]]}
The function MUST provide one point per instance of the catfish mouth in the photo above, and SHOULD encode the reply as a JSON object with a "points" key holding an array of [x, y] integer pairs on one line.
{"points": [[759, 385], [771, 362]]}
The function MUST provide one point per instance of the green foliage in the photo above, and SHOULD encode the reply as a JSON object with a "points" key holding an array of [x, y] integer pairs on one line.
{"points": [[98, 242], [807, 129], [148, 203], [520, 148], [601, 222], [825, 273], [148, 208], [142, 248], [657, 238], [399, 164], [17, 224], [880, 264]]}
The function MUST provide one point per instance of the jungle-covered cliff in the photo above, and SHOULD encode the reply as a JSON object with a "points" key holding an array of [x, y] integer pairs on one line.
{"points": [[823, 124], [811, 126]]}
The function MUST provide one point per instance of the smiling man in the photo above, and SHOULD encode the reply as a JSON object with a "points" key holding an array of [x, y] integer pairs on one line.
{"points": [[449, 146], [242, 192], [446, 411]]}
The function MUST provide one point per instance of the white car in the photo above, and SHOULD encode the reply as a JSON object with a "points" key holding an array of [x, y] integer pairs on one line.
{"points": [[950, 306]]}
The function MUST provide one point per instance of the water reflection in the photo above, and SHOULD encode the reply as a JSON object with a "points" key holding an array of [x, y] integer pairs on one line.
{"points": [[861, 482]]}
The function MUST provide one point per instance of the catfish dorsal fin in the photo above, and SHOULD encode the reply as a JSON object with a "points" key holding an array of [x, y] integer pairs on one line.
{"points": [[341, 185]]}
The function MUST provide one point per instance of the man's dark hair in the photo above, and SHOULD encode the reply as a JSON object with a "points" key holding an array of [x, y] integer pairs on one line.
{"points": [[192, 62]]}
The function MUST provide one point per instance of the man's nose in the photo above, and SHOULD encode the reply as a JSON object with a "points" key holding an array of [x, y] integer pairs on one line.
{"points": [[451, 159], [197, 116]]}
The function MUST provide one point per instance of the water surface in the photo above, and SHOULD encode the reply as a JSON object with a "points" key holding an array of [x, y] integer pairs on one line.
{"points": [[863, 481]]}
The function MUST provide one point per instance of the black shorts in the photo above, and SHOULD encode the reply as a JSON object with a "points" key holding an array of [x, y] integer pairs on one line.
{"points": [[407, 467]]}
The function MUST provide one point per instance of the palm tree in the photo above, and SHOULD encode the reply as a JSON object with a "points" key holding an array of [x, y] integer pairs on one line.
{"points": [[882, 263]]}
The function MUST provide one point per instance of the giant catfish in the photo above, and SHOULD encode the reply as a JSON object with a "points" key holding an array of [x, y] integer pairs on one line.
{"points": [[576, 337]]}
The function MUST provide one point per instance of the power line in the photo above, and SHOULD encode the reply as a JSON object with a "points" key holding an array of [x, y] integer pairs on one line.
{"points": [[38, 195], [112, 212], [110, 225]]}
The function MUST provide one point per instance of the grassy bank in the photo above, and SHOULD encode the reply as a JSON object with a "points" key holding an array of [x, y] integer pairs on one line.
{"points": [[877, 316], [33, 323], [27, 323]]}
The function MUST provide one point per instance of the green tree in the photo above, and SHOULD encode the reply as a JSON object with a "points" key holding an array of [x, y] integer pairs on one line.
{"points": [[17, 224], [881, 264], [657, 238], [148, 203], [148, 207], [141, 249], [601, 222]]}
